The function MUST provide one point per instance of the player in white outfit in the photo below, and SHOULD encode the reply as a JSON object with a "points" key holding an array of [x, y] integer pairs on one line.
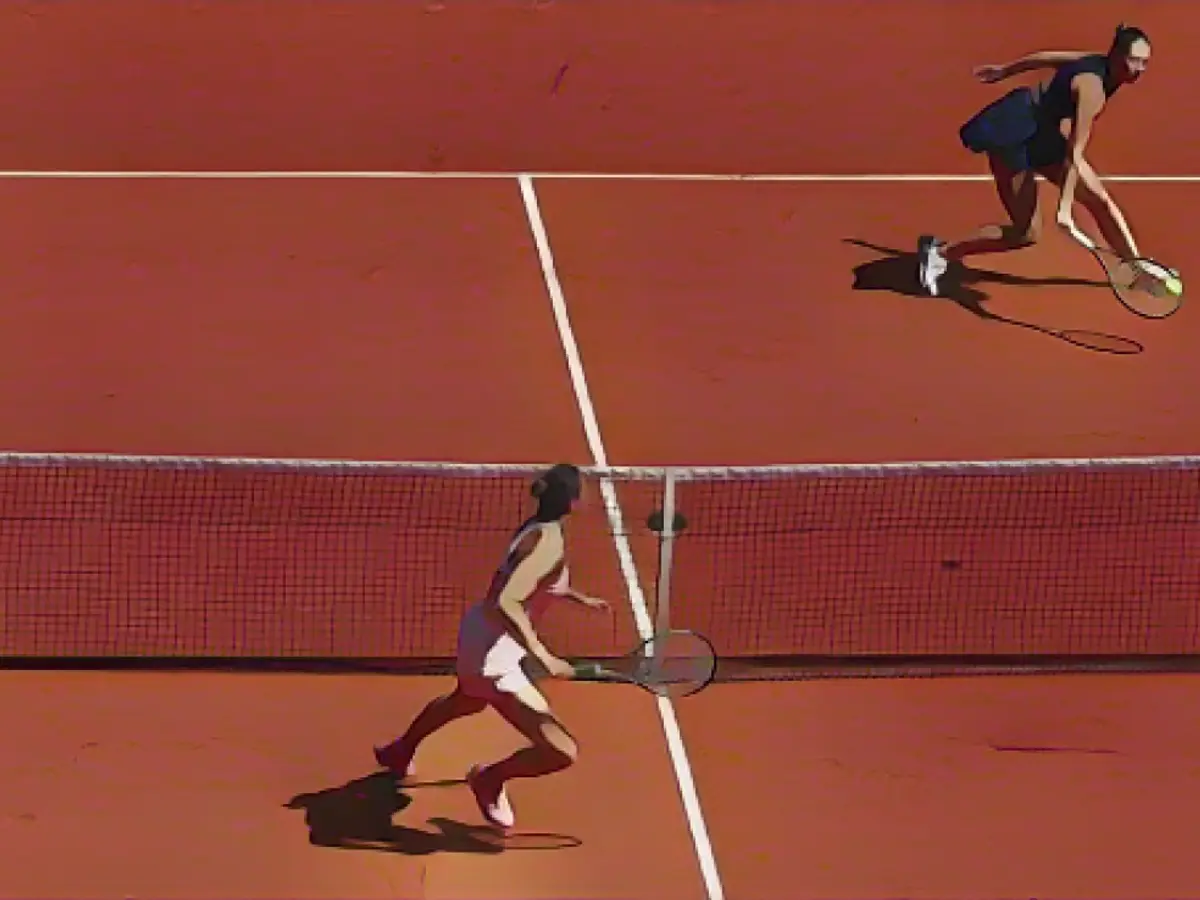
{"points": [[494, 638]]}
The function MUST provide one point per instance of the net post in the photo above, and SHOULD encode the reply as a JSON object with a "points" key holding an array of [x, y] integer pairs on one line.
{"points": [[666, 550]]}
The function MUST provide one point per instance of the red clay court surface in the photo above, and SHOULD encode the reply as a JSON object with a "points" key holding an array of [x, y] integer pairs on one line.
{"points": [[717, 322]]}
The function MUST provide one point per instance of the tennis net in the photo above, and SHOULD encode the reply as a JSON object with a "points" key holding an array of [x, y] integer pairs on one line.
{"points": [[188, 558]]}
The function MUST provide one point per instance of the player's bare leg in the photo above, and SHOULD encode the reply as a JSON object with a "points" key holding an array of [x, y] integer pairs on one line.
{"points": [[551, 749], [1018, 191], [437, 714]]}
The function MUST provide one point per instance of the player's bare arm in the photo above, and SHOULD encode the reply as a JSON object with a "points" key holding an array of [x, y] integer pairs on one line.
{"points": [[1042, 131], [537, 556], [1090, 99], [1043, 59]]}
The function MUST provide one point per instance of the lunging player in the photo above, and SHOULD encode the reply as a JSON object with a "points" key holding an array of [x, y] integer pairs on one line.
{"points": [[1045, 131]]}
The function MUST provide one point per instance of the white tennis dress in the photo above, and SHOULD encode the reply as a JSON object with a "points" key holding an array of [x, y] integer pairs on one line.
{"points": [[489, 657]]}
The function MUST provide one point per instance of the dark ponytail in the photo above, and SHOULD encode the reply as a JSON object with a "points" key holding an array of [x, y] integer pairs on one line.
{"points": [[556, 490], [1125, 37]]}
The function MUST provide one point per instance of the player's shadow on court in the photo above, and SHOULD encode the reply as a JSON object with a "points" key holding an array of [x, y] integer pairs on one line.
{"points": [[359, 815], [895, 271]]}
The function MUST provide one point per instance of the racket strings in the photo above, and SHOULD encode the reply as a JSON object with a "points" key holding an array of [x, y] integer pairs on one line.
{"points": [[676, 664], [675, 670], [1143, 286], [1144, 277]]}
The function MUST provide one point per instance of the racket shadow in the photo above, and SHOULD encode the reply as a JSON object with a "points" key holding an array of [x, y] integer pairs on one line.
{"points": [[358, 815], [895, 271]]}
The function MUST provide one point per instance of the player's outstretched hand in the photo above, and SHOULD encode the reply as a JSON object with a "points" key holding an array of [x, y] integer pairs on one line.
{"points": [[988, 74]]}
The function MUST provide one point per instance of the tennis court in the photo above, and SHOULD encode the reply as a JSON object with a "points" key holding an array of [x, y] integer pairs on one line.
{"points": [[175, 289]]}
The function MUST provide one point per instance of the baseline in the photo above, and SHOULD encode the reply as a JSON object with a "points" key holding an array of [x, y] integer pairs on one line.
{"points": [[401, 175]]}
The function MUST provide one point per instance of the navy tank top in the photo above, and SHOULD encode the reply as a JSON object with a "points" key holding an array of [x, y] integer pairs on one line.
{"points": [[1053, 99]]}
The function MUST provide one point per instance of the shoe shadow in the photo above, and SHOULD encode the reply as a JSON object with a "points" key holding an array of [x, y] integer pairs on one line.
{"points": [[895, 271], [358, 815]]}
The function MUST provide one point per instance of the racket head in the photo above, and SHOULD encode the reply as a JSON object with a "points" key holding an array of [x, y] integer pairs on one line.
{"points": [[674, 663], [1142, 284]]}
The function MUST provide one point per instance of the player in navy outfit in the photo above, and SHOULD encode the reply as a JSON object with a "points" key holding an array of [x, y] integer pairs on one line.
{"points": [[1044, 130]]}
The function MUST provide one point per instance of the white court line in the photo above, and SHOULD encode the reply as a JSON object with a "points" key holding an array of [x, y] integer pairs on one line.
{"points": [[320, 175], [637, 599]]}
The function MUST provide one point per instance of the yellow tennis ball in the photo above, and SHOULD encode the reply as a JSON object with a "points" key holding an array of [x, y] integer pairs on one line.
{"points": [[1174, 286]]}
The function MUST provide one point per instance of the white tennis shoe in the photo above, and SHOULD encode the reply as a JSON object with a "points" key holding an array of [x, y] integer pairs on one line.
{"points": [[932, 264]]}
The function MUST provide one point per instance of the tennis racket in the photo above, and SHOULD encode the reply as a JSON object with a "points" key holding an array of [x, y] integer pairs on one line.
{"points": [[1145, 286], [669, 664]]}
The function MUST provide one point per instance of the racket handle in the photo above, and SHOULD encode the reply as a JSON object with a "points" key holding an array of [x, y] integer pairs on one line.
{"points": [[588, 670]]}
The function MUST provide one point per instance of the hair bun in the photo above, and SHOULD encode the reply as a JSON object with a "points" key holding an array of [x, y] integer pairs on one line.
{"points": [[538, 487]]}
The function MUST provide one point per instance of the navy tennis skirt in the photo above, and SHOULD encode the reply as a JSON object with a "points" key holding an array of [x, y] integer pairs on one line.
{"points": [[1011, 129]]}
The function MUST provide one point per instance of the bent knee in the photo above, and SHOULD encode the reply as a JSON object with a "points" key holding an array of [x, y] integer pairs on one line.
{"points": [[554, 737], [1025, 234]]}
